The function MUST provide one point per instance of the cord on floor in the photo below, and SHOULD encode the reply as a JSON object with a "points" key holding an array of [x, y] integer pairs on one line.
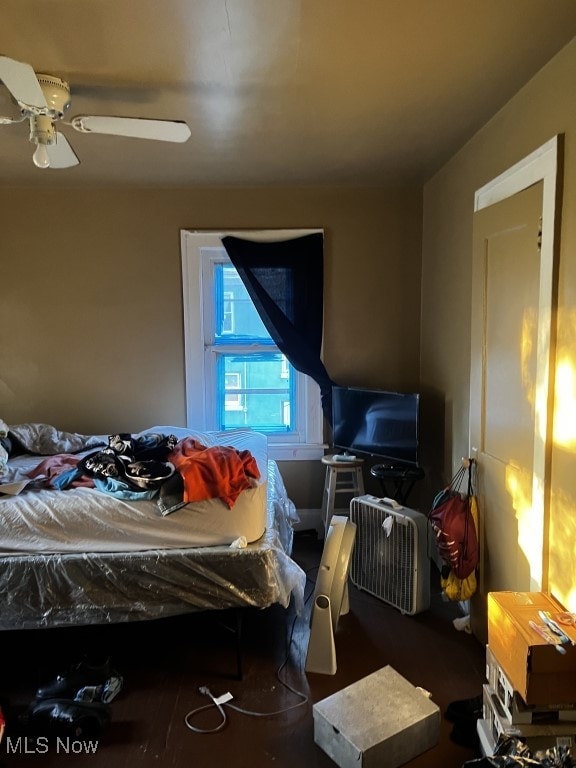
{"points": [[224, 701]]}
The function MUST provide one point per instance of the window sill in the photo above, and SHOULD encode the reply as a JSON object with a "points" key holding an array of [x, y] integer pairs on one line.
{"points": [[296, 451]]}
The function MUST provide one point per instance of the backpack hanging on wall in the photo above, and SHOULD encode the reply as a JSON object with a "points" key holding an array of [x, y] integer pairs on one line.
{"points": [[461, 589], [453, 521]]}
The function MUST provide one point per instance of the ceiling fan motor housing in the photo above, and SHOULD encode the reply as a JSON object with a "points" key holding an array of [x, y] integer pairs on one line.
{"points": [[57, 95]]}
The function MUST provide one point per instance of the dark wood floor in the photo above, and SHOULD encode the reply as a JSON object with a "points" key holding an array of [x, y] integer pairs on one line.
{"points": [[165, 662]]}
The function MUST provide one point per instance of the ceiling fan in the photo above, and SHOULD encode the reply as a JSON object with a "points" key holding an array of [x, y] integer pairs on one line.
{"points": [[43, 101]]}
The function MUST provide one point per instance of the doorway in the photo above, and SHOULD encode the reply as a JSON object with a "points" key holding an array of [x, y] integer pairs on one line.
{"points": [[510, 377]]}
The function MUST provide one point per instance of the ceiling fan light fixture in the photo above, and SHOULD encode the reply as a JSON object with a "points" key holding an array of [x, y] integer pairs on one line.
{"points": [[40, 157], [43, 134], [42, 130]]}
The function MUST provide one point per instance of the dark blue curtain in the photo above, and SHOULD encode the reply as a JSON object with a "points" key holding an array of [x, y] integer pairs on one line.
{"points": [[285, 280]]}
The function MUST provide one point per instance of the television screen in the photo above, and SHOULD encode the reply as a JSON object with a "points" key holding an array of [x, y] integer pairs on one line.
{"points": [[377, 423]]}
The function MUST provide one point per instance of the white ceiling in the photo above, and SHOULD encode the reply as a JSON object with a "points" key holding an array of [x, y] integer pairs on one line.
{"points": [[276, 92]]}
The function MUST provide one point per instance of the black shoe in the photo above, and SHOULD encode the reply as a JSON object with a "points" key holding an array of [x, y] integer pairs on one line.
{"points": [[84, 682], [464, 708], [68, 718], [465, 733]]}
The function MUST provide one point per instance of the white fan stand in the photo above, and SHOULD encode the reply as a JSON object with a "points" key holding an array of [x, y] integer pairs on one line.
{"points": [[330, 595]]}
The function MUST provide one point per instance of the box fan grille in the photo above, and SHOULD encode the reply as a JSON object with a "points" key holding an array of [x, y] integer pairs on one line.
{"points": [[390, 558]]}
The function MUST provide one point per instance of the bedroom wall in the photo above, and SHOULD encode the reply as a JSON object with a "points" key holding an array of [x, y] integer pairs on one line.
{"points": [[91, 311], [543, 108]]}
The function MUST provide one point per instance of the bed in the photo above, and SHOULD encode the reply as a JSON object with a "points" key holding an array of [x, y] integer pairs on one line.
{"points": [[83, 556]]}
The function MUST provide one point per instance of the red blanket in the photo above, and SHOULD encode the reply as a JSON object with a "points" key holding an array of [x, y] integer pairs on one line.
{"points": [[218, 472]]}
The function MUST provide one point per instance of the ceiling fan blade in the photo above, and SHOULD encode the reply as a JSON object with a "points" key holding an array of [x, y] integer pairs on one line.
{"points": [[135, 127], [21, 81], [9, 120], [61, 154]]}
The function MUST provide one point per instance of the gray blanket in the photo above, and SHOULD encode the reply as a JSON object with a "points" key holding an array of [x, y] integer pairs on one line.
{"points": [[46, 440]]}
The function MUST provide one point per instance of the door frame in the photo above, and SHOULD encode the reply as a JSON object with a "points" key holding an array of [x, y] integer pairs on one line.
{"points": [[541, 165]]}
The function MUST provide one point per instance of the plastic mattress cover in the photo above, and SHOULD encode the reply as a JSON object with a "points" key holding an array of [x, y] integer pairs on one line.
{"points": [[51, 590]]}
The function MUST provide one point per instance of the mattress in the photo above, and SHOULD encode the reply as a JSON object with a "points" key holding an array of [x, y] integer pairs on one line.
{"points": [[56, 580], [89, 520]]}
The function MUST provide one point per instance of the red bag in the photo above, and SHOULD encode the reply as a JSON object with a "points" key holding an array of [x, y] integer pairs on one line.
{"points": [[453, 525]]}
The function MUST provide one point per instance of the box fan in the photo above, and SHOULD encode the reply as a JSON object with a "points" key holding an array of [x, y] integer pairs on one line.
{"points": [[390, 558]]}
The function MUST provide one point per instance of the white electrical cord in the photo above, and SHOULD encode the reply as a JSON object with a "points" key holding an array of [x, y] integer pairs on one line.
{"points": [[221, 701], [218, 703]]}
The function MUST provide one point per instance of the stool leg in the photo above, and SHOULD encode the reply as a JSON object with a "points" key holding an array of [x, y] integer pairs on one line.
{"points": [[359, 481], [332, 481], [325, 501]]}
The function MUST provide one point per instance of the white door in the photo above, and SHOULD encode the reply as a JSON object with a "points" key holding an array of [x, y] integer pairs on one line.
{"points": [[511, 373], [504, 412]]}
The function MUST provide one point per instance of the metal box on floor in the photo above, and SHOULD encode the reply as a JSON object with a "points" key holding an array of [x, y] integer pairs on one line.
{"points": [[380, 721]]}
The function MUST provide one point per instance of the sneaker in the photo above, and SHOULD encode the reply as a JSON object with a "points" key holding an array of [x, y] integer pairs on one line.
{"points": [[465, 733], [464, 709], [68, 718], [104, 693], [85, 683]]}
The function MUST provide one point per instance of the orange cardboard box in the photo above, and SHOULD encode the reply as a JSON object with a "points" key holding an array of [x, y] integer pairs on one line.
{"points": [[537, 671]]}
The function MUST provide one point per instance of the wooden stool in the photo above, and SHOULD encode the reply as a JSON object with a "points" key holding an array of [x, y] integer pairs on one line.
{"points": [[341, 477]]}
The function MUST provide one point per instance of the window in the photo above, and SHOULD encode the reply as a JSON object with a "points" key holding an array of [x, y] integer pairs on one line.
{"points": [[235, 374]]}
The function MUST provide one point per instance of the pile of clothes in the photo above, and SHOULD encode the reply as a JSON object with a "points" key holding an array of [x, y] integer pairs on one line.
{"points": [[154, 465], [126, 466]]}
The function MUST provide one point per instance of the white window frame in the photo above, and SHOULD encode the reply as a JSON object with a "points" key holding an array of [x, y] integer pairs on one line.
{"points": [[237, 404], [307, 442], [230, 314]]}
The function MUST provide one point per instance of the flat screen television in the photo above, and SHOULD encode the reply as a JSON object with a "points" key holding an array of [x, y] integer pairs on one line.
{"points": [[376, 423]]}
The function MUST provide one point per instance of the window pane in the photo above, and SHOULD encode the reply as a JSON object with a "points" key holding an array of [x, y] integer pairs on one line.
{"points": [[236, 316], [254, 392]]}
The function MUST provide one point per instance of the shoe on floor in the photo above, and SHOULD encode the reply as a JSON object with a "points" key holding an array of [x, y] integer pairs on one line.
{"points": [[68, 718], [85, 683], [465, 733], [464, 708]]}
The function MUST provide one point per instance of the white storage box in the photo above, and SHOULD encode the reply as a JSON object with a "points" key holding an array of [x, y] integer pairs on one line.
{"points": [[381, 721], [536, 736]]}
